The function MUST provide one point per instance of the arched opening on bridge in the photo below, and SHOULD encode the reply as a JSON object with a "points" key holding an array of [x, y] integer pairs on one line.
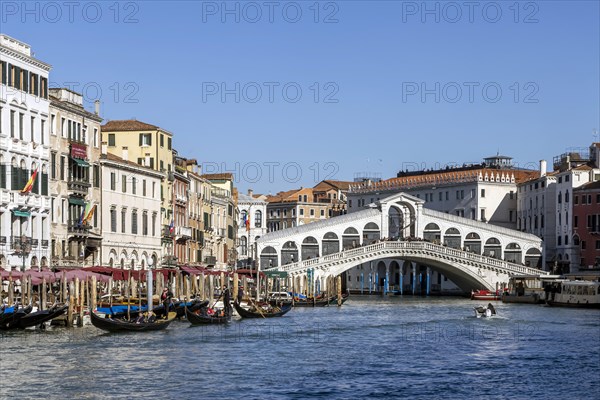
{"points": [[331, 243], [492, 248], [533, 258], [44, 262], [473, 243], [452, 238], [268, 258], [513, 253], [432, 233], [371, 233], [379, 276], [394, 275], [34, 261], [350, 238], [310, 248], [395, 224], [289, 253]]}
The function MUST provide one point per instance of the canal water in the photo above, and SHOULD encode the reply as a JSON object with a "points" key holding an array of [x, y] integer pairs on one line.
{"points": [[372, 347]]}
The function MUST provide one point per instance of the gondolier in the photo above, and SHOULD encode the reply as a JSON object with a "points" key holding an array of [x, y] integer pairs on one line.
{"points": [[166, 297]]}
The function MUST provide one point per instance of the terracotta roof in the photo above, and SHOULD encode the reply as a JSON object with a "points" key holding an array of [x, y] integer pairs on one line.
{"points": [[112, 157], [127, 125], [448, 177], [228, 176], [290, 195], [589, 186], [341, 185], [583, 167]]}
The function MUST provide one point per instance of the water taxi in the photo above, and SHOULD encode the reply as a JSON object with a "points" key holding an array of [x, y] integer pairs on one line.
{"points": [[584, 294]]}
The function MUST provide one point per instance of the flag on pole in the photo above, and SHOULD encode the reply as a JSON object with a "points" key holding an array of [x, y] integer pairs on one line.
{"points": [[172, 226], [29, 186], [82, 216], [247, 221], [89, 214]]}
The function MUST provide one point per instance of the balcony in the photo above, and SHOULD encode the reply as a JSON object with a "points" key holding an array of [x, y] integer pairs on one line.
{"points": [[210, 260], [181, 198], [77, 229], [166, 232], [78, 186], [44, 242], [20, 244], [2, 240], [35, 243], [183, 232], [221, 232]]}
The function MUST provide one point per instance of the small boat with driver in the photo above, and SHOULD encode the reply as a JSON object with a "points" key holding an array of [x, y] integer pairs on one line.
{"points": [[485, 295], [262, 311], [485, 312], [139, 324]]}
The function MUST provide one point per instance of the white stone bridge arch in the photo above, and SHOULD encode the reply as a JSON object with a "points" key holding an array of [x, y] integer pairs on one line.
{"points": [[472, 254]]}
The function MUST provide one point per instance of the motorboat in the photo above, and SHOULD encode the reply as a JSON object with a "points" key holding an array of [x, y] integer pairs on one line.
{"points": [[485, 295], [569, 293]]}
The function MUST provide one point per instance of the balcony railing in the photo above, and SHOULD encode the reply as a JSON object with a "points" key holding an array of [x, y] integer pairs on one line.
{"points": [[210, 260], [44, 242], [74, 227], [2, 240], [183, 232], [78, 186], [35, 243], [20, 244]]}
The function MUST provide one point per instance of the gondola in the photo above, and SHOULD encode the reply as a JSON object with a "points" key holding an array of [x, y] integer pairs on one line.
{"points": [[192, 306], [12, 321], [123, 325], [311, 302], [39, 317], [275, 312], [200, 317], [334, 299]]}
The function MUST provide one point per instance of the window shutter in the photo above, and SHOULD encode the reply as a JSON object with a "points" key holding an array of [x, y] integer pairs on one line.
{"points": [[149, 139], [141, 138]]}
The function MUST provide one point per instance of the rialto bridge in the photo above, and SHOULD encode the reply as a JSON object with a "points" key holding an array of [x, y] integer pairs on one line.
{"points": [[400, 238]]}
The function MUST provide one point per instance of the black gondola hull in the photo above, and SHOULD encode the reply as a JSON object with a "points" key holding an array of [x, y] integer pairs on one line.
{"points": [[263, 314], [116, 325]]}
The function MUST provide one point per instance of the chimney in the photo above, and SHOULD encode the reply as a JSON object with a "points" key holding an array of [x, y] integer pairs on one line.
{"points": [[543, 168], [125, 153], [103, 148], [250, 192], [97, 107]]}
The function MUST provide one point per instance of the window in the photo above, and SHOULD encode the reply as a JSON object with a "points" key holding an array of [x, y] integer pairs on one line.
{"points": [[312, 212], [42, 130], [567, 196], [145, 223], [113, 220], [21, 122], [567, 178], [597, 244], [95, 137], [511, 195], [111, 140], [145, 139], [169, 140], [162, 140], [123, 219], [133, 186], [123, 183], [153, 224], [302, 211], [559, 197], [483, 215], [322, 213], [96, 177], [258, 219], [575, 199], [144, 187], [575, 221], [161, 165], [482, 192], [63, 161], [559, 241], [566, 240], [134, 222], [113, 181], [583, 244], [53, 165]]}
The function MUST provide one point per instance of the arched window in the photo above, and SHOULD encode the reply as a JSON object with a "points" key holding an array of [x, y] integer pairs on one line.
{"points": [[567, 196], [244, 246], [559, 197], [243, 215], [258, 219]]}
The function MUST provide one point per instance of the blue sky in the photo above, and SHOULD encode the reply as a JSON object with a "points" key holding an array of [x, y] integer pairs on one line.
{"points": [[385, 85]]}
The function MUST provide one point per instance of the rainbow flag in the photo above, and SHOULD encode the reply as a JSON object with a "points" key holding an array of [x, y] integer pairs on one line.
{"points": [[30, 183]]}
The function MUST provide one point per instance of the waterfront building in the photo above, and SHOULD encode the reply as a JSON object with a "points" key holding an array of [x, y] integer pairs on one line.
{"points": [[131, 206], [294, 208], [24, 157], [252, 210], [149, 146], [536, 212], [574, 168], [335, 193], [586, 224], [196, 203], [182, 231], [220, 247], [483, 192], [75, 226]]}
